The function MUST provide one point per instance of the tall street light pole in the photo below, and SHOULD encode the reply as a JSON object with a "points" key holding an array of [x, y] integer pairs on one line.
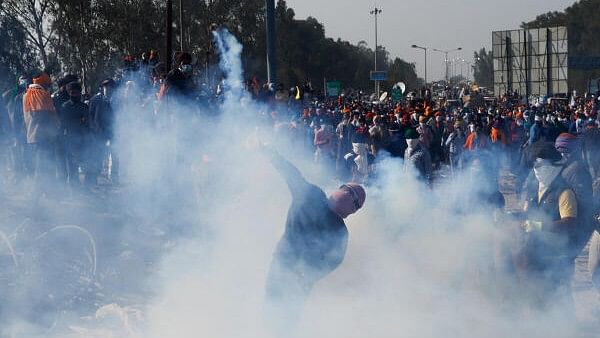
{"points": [[454, 67], [181, 25], [271, 51], [169, 57], [424, 49], [376, 11], [469, 69], [446, 57]]}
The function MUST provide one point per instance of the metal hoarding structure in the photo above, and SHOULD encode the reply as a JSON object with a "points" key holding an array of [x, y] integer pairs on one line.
{"points": [[532, 62]]}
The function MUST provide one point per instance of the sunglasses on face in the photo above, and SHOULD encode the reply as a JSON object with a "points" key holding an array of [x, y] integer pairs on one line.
{"points": [[355, 198]]}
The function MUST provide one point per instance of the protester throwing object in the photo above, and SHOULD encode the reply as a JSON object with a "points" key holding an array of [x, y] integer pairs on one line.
{"points": [[313, 244]]}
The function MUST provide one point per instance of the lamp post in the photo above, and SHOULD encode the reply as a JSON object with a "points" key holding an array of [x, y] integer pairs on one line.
{"points": [[469, 69], [271, 43], [454, 67], [169, 35], [376, 11], [446, 57], [476, 61], [181, 25], [424, 49]]}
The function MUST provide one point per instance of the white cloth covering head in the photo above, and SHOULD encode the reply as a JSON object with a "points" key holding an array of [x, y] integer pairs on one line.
{"points": [[545, 172]]}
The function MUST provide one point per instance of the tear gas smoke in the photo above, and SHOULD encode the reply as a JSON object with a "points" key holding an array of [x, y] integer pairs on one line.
{"points": [[200, 216]]}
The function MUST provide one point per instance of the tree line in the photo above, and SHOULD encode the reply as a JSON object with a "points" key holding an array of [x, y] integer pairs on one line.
{"points": [[91, 38]]}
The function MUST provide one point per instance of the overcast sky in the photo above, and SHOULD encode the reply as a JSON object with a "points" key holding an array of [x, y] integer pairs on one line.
{"points": [[441, 24]]}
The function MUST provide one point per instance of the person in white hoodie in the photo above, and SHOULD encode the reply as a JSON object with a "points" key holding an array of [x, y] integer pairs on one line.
{"points": [[417, 156]]}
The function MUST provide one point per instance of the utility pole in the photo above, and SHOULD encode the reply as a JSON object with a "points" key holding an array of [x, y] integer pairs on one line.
{"points": [[181, 25], [446, 58], [271, 43], [169, 57], [376, 11], [425, 50]]}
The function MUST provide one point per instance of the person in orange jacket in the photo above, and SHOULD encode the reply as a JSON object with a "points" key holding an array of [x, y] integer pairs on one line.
{"points": [[42, 126]]}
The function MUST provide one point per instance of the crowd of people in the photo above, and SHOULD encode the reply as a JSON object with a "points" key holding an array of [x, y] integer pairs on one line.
{"points": [[550, 146], [57, 132]]}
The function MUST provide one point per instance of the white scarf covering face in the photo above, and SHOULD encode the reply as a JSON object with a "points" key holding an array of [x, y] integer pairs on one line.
{"points": [[545, 172]]}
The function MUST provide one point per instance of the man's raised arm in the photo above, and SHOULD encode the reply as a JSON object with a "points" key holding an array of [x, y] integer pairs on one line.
{"points": [[296, 183]]}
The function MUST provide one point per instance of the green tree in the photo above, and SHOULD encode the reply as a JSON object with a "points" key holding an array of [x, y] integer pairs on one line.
{"points": [[550, 19], [402, 71], [483, 68], [90, 38], [306, 53], [15, 57], [35, 19], [82, 29]]}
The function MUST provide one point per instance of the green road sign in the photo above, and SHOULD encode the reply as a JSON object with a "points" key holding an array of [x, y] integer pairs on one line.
{"points": [[396, 94], [334, 88]]}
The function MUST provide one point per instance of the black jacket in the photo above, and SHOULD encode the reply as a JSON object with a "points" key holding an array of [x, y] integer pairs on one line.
{"points": [[101, 117], [178, 84], [578, 178], [315, 238], [59, 98], [16, 117], [75, 118]]}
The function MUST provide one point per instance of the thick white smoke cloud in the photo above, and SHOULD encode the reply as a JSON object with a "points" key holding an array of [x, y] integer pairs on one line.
{"points": [[231, 64], [420, 262], [199, 194]]}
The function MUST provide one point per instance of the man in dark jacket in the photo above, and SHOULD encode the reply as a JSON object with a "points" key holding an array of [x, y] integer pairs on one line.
{"points": [[74, 117], [20, 154], [179, 82], [577, 176], [59, 98], [101, 121], [591, 145], [547, 257], [314, 242], [61, 95]]}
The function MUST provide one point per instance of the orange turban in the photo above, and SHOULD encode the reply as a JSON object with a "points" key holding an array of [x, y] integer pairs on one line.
{"points": [[428, 111], [42, 80]]}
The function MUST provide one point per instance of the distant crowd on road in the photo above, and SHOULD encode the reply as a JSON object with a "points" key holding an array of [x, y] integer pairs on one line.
{"points": [[53, 133]]}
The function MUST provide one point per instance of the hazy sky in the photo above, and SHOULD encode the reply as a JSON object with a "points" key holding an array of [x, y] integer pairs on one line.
{"points": [[440, 24]]}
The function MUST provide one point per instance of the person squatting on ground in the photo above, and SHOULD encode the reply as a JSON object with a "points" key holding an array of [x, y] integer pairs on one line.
{"points": [[313, 244]]}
